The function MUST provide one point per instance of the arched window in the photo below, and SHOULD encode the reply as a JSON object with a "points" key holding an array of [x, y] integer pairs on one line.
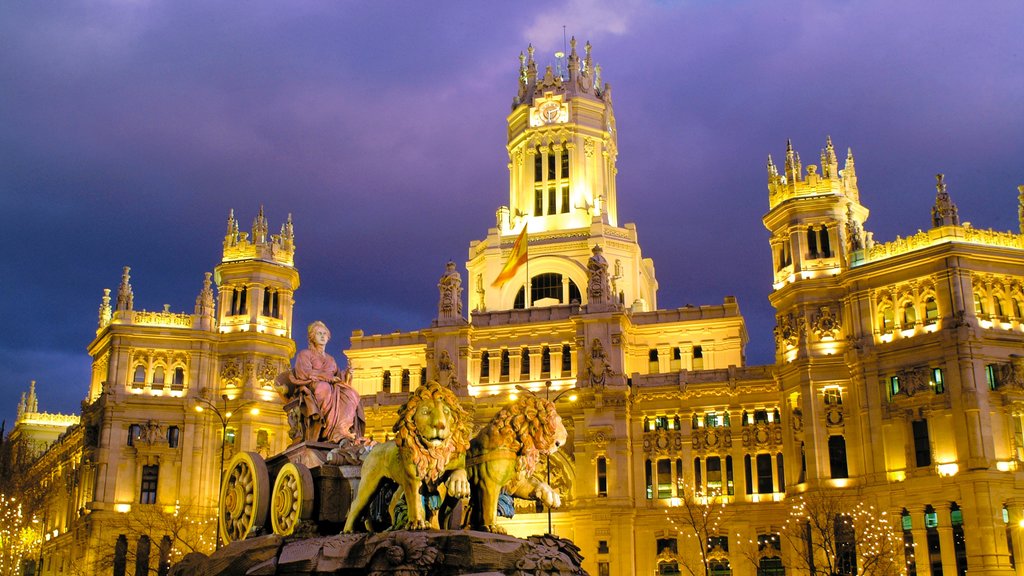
{"points": [[405, 380], [931, 311], [652, 361], [566, 360], [158, 375], [524, 364], [909, 315], [1000, 309], [520, 301], [545, 361], [140, 374], [546, 286], [574, 293], [179, 376], [485, 366], [266, 301], [979, 307]]}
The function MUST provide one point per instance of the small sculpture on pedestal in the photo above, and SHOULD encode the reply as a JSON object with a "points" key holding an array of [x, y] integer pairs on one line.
{"points": [[598, 288], [449, 306]]}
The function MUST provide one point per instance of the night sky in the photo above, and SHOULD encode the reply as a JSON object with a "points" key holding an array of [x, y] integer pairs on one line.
{"points": [[128, 129]]}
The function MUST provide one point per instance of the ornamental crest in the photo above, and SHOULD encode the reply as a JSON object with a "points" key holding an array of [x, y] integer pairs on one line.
{"points": [[231, 371], [788, 330], [711, 438], [663, 442], [1011, 374], [825, 325], [762, 435]]}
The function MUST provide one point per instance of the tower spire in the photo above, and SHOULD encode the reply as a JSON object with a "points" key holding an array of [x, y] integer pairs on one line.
{"points": [[944, 213], [259, 228]]}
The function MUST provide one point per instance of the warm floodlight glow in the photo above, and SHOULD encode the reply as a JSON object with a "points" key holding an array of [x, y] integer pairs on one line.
{"points": [[1004, 465], [123, 508], [199, 408], [573, 397], [947, 470], [513, 396], [255, 411]]}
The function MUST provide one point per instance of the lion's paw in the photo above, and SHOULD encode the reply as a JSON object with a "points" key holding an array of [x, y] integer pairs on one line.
{"points": [[548, 496], [418, 525], [493, 529]]}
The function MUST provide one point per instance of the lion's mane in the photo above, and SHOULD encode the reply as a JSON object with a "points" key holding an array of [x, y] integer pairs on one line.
{"points": [[527, 428], [431, 462]]}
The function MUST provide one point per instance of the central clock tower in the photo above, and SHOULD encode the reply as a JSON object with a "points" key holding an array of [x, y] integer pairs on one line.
{"points": [[562, 149]]}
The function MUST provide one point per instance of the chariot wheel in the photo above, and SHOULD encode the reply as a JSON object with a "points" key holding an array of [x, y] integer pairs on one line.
{"points": [[292, 500], [244, 496]]}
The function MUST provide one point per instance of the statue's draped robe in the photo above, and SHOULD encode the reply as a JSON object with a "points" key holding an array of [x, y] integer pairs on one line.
{"points": [[338, 401]]}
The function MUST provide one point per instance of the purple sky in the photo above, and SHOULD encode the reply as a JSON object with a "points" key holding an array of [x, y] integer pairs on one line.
{"points": [[129, 129]]}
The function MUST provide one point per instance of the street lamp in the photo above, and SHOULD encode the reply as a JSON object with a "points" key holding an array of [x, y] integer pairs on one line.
{"points": [[224, 416], [547, 455]]}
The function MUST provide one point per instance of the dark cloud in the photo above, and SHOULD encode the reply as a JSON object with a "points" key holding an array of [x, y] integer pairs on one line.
{"points": [[131, 128]]}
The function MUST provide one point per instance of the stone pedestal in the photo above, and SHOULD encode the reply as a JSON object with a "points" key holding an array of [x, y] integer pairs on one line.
{"points": [[400, 553]]}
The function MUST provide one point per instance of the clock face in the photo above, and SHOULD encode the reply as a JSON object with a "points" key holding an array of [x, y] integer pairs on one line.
{"points": [[549, 112]]}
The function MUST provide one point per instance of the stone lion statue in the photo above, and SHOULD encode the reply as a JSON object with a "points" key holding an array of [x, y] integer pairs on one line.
{"points": [[428, 452], [504, 455]]}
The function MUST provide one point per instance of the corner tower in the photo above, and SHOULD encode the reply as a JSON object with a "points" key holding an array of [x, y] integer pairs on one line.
{"points": [[562, 165]]}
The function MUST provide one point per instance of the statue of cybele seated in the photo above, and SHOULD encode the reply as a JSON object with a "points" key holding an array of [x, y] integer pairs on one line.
{"points": [[321, 403]]}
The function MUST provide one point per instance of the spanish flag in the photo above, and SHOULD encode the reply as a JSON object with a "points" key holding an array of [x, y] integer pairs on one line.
{"points": [[516, 259]]}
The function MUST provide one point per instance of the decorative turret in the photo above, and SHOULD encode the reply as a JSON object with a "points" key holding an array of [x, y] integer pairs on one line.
{"points": [[831, 180], [944, 213], [278, 248], [204, 301], [256, 280], [125, 297], [580, 77]]}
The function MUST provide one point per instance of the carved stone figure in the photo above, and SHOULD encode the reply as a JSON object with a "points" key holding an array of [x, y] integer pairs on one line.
{"points": [[328, 404], [598, 368], [428, 452], [504, 455], [449, 307], [598, 288]]}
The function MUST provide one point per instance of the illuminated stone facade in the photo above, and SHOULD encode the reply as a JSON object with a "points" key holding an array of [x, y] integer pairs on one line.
{"points": [[142, 442], [898, 379]]}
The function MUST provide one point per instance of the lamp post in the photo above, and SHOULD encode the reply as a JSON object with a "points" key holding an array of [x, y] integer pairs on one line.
{"points": [[224, 415], [547, 455]]}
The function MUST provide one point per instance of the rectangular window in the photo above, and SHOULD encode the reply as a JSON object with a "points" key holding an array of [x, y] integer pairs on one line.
{"points": [[730, 487], [565, 163], [698, 358], [150, 475], [538, 167], [780, 472], [764, 474], [698, 479], [545, 361], [173, 436], [504, 365], [711, 420], [229, 436], [538, 202], [551, 166], [485, 366], [938, 381], [603, 569], [837, 457], [652, 361], [552, 200], [714, 467], [664, 479], [833, 396], [566, 360], [649, 479], [990, 376], [602, 476], [922, 447], [894, 386], [747, 474], [565, 199]]}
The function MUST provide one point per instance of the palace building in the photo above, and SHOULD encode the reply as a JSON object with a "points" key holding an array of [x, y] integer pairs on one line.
{"points": [[896, 398]]}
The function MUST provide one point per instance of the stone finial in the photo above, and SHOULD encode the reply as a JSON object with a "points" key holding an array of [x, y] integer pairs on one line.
{"points": [[204, 301], [32, 403], [944, 213], [125, 296], [21, 406], [1020, 207], [259, 227], [105, 312]]}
